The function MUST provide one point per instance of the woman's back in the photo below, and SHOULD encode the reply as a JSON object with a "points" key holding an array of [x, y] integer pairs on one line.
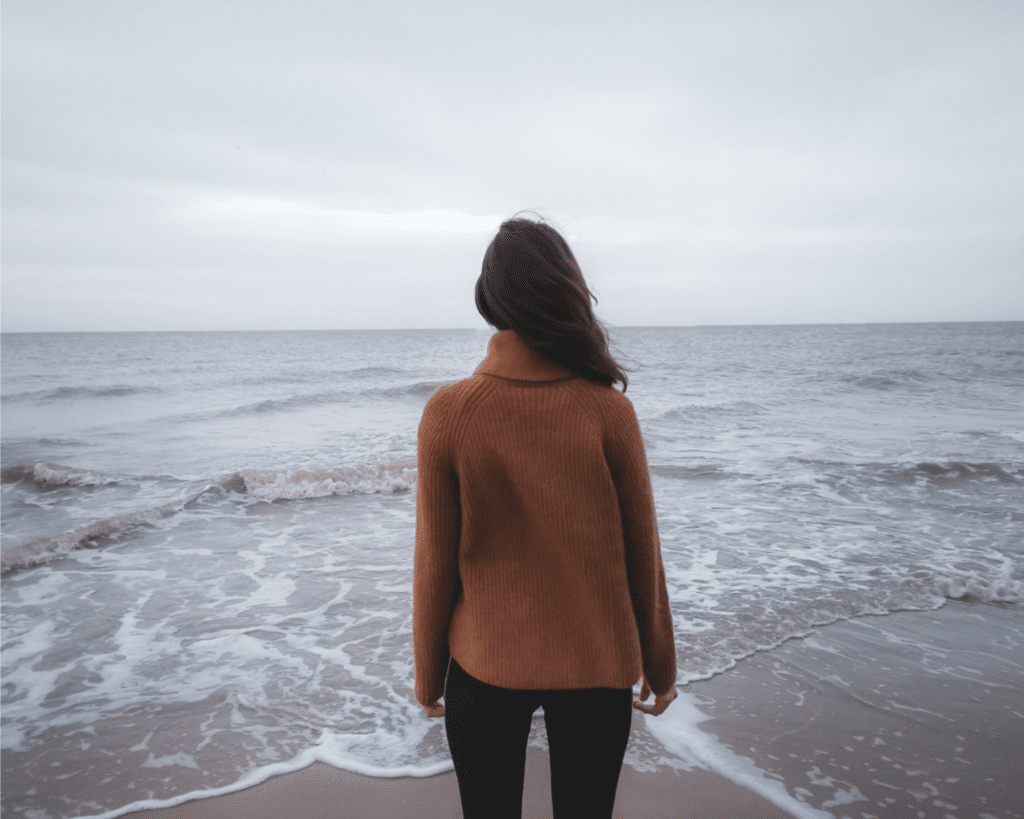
{"points": [[557, 550]]}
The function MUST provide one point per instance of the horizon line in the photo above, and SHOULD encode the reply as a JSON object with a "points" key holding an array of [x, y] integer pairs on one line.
{"points": [[479, 329]]}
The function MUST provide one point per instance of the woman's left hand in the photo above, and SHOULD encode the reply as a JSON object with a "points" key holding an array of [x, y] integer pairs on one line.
{"points": [[435, 709], [661, 701]]}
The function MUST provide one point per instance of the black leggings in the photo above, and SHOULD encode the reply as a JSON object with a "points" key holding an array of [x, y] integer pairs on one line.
{"points": [[488, 728]]}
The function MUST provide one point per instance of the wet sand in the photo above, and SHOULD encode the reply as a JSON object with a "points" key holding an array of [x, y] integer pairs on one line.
{"points": [[323, 792], [912, 714]]}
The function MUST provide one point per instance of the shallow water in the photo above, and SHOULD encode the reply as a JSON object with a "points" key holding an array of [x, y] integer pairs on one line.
{"points": [[207, 537]]}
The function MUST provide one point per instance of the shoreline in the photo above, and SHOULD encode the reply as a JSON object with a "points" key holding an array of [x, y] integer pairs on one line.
{"points": [[914, 710], [321, 791]]}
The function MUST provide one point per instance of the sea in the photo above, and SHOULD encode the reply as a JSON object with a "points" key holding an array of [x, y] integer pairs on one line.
{"points": [[207, 537]]}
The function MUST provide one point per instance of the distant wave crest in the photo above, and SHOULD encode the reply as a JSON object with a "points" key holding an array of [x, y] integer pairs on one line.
{"points": [[697, 471], [54, 475], [953, 472], [419, 390], [887, 379], [72, 393], [706, 412]]}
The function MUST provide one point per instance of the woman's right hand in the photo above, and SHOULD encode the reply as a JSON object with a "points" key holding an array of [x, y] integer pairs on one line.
{"points": [[661, 701], [435, 709]]}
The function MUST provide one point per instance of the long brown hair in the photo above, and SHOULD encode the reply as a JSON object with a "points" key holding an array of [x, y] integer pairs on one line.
{"points": [[530, 282]]}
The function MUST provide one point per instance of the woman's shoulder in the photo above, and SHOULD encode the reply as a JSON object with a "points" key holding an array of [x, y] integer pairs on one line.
{"points": [[451, 392], [450, 397], [610, 398], [607, 407]]}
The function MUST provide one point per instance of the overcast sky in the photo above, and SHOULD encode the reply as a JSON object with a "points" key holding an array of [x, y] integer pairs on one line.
{"points": [[296, 164]]}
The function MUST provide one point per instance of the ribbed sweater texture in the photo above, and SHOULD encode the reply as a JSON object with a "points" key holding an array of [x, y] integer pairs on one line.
{"points": [[538, 563]]}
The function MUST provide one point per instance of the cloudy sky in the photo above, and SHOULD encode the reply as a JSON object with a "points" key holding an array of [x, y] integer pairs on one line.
{"points": [[226, 164]]}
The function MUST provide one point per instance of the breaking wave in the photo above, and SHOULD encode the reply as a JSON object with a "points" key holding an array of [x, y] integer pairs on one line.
{"points": [[265, 484], [91, 534], [53, 475], [948, 474], [289, 484], [951, 473]]}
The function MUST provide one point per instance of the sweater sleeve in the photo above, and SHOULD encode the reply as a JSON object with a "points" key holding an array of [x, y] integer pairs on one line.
{"points": [[436, 584], [630, 473]]}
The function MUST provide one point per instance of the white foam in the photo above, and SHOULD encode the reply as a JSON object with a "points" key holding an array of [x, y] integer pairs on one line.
{"points": [[287, 484], [185, 760], [57, 475], [999, 587], [840, 796], [677, 730], [336, 749]]}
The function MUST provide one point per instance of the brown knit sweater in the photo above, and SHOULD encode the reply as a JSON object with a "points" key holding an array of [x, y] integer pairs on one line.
{"points": [[537, 562]]}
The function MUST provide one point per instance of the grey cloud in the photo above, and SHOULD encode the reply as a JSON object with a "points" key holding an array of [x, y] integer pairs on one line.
{"points": [[709, 140]]}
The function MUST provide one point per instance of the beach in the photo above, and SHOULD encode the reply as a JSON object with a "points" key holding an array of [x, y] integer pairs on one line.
{"points": [[323, 792], [207, 555], [865, 734], [917, 714]]}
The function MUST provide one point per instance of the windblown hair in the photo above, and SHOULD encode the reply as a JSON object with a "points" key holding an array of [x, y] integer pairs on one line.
{"points": [[531, 283]]}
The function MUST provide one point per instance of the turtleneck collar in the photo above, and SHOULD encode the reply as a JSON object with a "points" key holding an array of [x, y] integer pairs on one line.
{"points": [[508, 356]]}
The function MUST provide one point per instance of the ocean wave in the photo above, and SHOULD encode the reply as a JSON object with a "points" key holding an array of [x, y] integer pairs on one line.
{"points": [[768, 624], [91, 534], [374, 372], [265, 484], [72, 393], [951, 473], [54, 475], [293, 484], [62, 442], [887, 380], [705, 412], [320, 377], [698, 472], [938, 473], [419, 390], [270, 405], [956, 584]]}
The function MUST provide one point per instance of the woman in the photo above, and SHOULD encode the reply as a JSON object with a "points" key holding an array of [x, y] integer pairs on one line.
{"points": [[538, 573]]}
